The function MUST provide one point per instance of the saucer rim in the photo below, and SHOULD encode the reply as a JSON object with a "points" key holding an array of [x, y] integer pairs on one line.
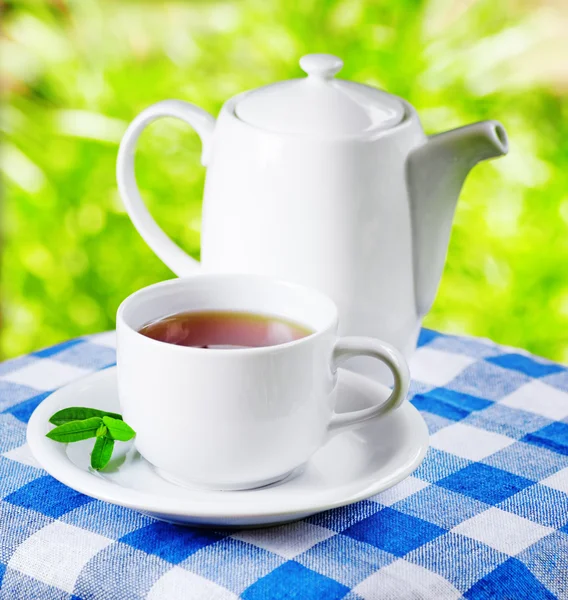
{"points": [[53, 458]]}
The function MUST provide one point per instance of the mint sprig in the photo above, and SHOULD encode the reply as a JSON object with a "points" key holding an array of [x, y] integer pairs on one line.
{"points": [[78, 423]]}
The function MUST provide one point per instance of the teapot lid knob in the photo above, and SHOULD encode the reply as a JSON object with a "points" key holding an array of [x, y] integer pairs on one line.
{"points": [[321, 66]]}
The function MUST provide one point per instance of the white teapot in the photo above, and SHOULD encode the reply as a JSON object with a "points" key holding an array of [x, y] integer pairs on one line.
{"points": [[328, 183]]}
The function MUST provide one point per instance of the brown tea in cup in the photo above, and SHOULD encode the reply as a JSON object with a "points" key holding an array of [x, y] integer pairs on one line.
{"points": [[224, 330]]}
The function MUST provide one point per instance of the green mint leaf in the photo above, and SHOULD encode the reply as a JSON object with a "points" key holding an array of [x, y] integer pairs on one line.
{"points": [[79, 413], [75, 431], [119, 430], [102, 451], [102, 430]]}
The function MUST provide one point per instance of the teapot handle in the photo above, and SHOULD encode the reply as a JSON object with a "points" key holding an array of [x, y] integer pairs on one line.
{"points": [[170, 253]]}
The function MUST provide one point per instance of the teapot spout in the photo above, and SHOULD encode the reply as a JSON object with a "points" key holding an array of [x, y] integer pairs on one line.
{"points": [[436, 172]]}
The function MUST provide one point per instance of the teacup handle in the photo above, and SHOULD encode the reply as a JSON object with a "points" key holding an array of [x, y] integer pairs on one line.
{"points": [[169, 252], [348, 347]]}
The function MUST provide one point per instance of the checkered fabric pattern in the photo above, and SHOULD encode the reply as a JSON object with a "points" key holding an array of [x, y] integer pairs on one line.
{"points": [[485, 516]]}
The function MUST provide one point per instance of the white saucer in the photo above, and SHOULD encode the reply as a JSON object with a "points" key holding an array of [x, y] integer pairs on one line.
{"points": [[350, 467]]}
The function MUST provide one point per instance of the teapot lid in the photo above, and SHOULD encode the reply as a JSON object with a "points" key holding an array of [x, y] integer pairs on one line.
{"points": [[320, 104]]}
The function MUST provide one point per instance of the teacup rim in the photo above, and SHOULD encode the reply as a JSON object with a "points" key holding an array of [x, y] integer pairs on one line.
{"points": [[330, 327]]}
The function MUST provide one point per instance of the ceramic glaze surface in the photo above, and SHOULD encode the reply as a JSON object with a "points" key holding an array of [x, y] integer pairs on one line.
{"points": [[238, 419], [350, 467], [344, 193]]}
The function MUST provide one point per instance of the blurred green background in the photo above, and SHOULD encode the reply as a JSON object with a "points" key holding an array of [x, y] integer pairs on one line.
{"points": [[76, 72]]}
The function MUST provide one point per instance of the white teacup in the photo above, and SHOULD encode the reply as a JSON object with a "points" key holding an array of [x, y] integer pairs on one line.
{"points": [[238, 418]]}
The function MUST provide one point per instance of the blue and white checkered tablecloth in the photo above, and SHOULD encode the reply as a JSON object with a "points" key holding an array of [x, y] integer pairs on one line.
{"points": [[485, 516]]}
